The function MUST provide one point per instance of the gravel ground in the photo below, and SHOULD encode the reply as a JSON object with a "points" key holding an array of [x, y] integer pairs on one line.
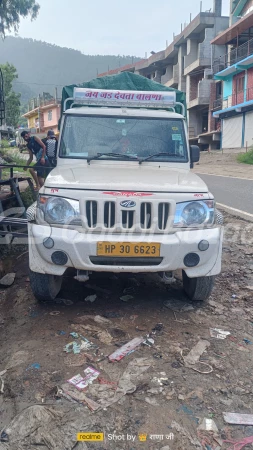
{"points": [[160, 394]]}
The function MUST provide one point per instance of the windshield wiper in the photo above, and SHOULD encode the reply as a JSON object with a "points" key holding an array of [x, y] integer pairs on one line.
{"points": [[112, 155], [160, 154]]}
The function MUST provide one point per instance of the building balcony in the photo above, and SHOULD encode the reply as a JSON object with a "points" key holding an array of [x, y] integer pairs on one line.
{"points": [[237, 102], [234, 57], [217, 104], [202, 95], [238, 98], [171, 81]]}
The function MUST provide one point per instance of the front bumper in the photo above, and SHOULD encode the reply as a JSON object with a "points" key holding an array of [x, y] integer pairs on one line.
{"points": [[81, 250]]}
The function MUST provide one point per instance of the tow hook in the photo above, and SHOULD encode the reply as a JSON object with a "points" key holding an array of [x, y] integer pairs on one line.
{"points": [[167, 277], [82, 276]]}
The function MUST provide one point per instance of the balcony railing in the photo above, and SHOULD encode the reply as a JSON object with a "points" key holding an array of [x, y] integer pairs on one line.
{"points": [[236, 55], [238, 97], [217, 104]]}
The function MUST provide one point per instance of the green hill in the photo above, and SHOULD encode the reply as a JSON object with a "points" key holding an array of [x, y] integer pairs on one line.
{"points": [[42, 66]]}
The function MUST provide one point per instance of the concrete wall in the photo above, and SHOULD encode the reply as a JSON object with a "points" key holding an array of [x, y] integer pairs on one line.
{"points": [[182, 79]]}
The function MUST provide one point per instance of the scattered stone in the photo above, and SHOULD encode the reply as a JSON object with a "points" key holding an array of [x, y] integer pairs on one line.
{"points": [[155, 391], [151, 401], [91, 298], [8, 279], [126, 298]]}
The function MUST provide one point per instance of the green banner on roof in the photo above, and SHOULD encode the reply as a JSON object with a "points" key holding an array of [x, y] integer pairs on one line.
{"points": [[126, 81]]}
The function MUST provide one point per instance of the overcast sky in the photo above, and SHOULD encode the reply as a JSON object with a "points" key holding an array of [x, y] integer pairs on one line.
{"points": [[130, 27]]}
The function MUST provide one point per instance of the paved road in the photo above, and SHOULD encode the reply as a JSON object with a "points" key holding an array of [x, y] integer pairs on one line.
{"points": [[234, 192]]}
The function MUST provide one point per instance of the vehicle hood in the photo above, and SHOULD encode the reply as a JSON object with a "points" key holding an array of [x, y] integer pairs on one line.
{"points": [[135, 177]]}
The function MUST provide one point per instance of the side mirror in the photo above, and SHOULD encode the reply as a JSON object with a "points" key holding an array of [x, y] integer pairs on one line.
{"points": [[194, 154]]}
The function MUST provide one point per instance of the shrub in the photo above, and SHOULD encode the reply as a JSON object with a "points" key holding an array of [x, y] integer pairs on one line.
{"points": [[246, 158]]}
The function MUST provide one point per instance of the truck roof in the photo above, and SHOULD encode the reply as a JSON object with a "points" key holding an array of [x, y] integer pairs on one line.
{"points": [[133, 112]]}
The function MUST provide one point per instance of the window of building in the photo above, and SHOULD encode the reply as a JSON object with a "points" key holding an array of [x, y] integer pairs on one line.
{"points": [[50, 115], [240, 84]]}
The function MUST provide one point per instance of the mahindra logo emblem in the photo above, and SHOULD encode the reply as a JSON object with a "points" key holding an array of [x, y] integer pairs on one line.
{"points": [[128, 204]]}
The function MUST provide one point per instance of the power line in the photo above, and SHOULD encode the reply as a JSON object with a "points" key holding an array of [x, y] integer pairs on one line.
{"points": [[39, 84]]}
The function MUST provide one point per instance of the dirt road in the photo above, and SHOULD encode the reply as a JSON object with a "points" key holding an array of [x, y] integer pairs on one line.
{"points": [[158, 394], [216, 163]]}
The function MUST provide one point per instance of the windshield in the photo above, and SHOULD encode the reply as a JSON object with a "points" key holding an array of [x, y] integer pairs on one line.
{"points": [[88, 137]]}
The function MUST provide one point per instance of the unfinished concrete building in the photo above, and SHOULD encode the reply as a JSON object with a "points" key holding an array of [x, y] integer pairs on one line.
{"points": [[186, 64]]}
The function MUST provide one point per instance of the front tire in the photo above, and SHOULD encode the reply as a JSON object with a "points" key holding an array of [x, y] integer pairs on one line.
{"points": [[198, 289], [45, 287]]}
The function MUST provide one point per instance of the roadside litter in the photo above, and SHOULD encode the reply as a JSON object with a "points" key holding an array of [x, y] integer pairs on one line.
{"points": [[239, 445], [103, 335], [55, 313], [4, 437], [192, 359], [76, 347], [163, 380], [208, 425], [157, 328], [102, 320], [35, 366], [219, 334], [247, 341], [183, 432], [72, 347], [105, 392], [8, 279], [149, 342], [2, 381], [43, 427], [91, 298], [125, 349], [238, 419], [82, 382]]}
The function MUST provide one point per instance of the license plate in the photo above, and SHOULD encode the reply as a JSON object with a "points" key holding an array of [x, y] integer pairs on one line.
{"points": [[128, 249]]}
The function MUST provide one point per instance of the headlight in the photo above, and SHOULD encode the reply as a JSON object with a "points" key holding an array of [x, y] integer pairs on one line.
{"points": [[194, 214], [57, 210]]}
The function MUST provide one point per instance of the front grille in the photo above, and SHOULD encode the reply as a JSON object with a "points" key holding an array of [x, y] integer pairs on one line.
{"points": [[163, 215], [127, 219], [92, 213], [109, 214], [146, 218], [116, 261], [150, 216]]}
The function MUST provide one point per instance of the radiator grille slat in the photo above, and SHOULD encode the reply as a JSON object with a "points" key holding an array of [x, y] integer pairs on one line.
{"points": [[127, 219], [146, 217], [92, 213], [163, 215], [109, 214]]}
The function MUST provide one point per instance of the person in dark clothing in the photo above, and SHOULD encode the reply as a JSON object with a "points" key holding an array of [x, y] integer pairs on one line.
{"points": [[38, 149], [51, 148]]}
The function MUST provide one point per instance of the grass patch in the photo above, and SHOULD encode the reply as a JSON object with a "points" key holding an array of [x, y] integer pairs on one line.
{"points": [[246, 158], [4, 143], [27, 197]]}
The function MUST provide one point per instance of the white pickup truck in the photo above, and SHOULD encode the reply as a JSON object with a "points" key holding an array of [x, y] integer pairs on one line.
{"points": [[123, 198]]}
